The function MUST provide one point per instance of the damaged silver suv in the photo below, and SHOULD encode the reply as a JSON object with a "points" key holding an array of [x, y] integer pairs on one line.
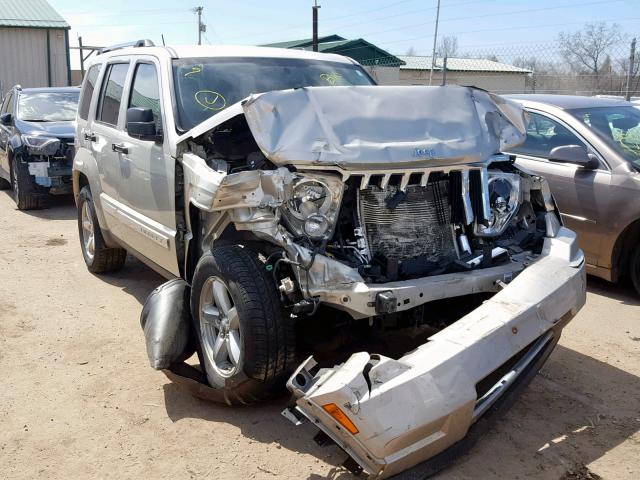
{"points": [[291, 195]]}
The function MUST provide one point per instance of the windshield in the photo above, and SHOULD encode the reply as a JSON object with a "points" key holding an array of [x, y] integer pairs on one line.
{"points": [[48, 106], [619, 127], [205, 86]]}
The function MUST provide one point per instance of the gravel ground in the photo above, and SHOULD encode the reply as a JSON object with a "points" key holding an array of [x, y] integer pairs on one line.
{"points": [[79, 399]]}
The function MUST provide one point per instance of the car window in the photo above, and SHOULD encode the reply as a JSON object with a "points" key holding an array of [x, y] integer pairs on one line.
{"points": [[205, 86], [111, 93], [48, 106], [145, 92], [543, 135], [6, 103], [87, 91], [617, 126]]}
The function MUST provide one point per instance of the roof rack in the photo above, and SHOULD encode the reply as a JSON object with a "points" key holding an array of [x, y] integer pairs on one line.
{"points": [[137, 43]]}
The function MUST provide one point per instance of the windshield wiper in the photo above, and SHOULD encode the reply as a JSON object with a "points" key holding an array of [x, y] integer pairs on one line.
{"points": [[34, 120]]}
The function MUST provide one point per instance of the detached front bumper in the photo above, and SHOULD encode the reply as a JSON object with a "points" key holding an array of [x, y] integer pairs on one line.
{"points": [[408, 410]]}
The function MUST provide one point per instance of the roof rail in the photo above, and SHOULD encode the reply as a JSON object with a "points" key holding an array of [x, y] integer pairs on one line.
{"points": [[137, 43]]}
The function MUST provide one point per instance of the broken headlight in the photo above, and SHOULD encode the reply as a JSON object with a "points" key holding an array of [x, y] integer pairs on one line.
{"points": [[37, 145], [312, 205], [504, 197]]}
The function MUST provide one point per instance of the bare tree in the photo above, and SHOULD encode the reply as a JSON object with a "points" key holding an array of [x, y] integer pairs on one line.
{"points": [[411, 51], [586, 49], [447, 47]]}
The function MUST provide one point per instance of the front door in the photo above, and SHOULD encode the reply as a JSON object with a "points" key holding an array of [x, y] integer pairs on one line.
{"points": [[147, 176], [576, 190]]}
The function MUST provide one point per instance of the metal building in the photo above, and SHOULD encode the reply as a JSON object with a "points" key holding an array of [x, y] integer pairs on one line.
{"points": [[34, 45]]}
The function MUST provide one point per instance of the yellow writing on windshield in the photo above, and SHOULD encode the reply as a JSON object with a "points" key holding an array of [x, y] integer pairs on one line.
{"points": [[331, 78], [194, 70], [210, 100]]}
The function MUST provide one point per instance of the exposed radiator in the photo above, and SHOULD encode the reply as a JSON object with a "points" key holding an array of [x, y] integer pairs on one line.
{"points": [[419, 226]]}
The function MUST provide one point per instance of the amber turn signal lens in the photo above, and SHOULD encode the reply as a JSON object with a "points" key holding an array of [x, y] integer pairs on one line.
{"points": [[334, 410]]}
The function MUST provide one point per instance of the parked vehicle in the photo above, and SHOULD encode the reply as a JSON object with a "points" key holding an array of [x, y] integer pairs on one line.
{"points": [[589, 151], [332, 203], [36, 143]]}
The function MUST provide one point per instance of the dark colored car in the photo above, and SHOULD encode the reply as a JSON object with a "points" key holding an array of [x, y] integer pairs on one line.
{"points": [[36, 143], [588, 149]]}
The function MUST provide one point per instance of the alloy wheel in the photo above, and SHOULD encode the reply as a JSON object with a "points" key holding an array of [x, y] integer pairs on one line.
{"points": [[88, 233], [220, 327]]}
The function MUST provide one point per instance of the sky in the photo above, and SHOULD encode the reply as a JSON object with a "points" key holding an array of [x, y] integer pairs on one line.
{"points": [[397, 25]]}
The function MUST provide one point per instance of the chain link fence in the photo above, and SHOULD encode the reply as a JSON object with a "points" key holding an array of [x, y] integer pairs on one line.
{"points": [[539, 68]]}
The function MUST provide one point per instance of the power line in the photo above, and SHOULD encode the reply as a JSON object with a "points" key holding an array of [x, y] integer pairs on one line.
{"points": [[422, 24], [621, 20]]}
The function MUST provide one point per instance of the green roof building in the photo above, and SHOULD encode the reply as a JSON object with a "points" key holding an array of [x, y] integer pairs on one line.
{"points": [[34, 45], [359, 49]]}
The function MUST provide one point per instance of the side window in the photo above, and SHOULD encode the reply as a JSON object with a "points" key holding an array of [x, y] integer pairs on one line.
{"points": [[87, 91], [111, 93], [145, 92], [7, 102], [545, 134]]}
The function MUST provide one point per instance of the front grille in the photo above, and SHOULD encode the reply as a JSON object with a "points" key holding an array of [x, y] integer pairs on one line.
{"points": [[418, 226]]}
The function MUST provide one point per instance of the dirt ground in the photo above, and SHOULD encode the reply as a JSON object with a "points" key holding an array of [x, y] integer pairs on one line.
{"points": [[78, 398]]}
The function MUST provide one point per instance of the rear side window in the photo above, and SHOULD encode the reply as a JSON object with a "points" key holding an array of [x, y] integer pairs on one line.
{"points": [[111, 93], [145, 92], [87, 91]]}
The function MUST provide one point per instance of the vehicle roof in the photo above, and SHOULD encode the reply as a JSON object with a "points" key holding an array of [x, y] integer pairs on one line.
{"points": [[569, 102], [49, 89], [197, 51]]}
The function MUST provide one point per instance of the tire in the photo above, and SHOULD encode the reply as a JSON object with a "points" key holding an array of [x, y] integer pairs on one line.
{"points": [[634, 268], [254, 335], [25, 192], [102, 259]]}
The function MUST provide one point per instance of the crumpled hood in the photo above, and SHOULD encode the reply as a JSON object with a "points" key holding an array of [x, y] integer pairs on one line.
{"points": [[373, 127]]}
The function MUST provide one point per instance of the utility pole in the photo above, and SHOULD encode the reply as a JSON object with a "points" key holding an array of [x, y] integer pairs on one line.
{"points": [[201, 26], [81, 56], [435, 39], [314, 39], [632, 58]]}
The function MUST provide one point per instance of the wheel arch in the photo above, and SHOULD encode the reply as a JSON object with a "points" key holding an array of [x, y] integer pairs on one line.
{"points": [[623, 248]]}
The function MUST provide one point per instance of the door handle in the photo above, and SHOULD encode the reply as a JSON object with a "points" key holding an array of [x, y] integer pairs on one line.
{"points": [[120, 148], [90, 136]]}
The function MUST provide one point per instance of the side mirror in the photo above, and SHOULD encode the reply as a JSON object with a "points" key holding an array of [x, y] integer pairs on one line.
{"points": [[5, 119], [141, 125], [575, 154]]}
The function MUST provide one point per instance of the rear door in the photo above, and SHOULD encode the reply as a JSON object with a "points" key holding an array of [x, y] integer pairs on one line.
{"points": [[5, 134], [104, 131], [578, 192], [147, 173]]}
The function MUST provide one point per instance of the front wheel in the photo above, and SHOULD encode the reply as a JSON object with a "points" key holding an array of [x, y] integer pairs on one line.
{"points": [[246, 339], [98, 257], [635, 268], [25, 192]]}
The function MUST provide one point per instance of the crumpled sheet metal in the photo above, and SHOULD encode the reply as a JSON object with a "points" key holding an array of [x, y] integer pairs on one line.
{"points": [[415, 407], [371, 127]]}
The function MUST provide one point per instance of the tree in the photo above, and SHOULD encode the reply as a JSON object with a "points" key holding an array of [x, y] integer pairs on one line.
{"points": [[586, 49], [411, 51], [447, 46]]}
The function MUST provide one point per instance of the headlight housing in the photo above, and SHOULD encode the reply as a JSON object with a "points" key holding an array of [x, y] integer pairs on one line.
{"points": [[312, 205], [504, 197], [38, 145]]}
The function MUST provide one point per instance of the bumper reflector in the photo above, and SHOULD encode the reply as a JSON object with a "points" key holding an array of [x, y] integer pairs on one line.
{"points": [[340, 417]]}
